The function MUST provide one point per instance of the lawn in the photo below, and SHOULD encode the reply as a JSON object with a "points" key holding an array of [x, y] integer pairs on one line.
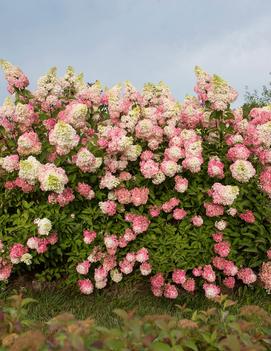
{"points": [[52, 300]]}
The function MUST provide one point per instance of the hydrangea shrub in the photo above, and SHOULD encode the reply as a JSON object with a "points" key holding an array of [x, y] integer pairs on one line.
{"points": [[98, 183]]}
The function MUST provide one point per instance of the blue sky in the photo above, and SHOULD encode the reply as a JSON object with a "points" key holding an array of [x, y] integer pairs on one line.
{"points": [[140, 40]]}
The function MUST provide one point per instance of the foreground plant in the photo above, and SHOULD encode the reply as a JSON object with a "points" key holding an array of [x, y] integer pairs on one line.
{"points": [[213, 329], [98, 183]]}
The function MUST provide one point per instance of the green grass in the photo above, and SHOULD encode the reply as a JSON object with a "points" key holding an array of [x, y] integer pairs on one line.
{"points": [[126, 295]]}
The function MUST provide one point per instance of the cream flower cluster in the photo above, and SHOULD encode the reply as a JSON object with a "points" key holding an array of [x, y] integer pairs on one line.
{"points": [[52, 178], [64, 137]]}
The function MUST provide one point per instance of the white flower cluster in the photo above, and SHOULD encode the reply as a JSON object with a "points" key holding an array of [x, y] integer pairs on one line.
{"points": [[64, 137], [28, 169], [52, 178], [44, 225]]}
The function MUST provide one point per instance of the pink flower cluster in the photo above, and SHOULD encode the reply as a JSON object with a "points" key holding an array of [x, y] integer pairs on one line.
{"points": [[10, 163], [135, 196], [170, 204], [20, 253], [224, 194], [108, 207], [19, 183], [86, 161], [85, 190], [214, 89], [181, 184], [29, 144], [52, 178], [5, 269], [109, 266], [41, 244], [161, 288], [63, 199], [16, 252], [248, 216], [170, 290], [265, 275], [140, 223], [213, 210], [15, 77], [216, 168]]}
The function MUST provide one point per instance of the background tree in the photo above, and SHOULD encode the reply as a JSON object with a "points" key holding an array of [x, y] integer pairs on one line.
{"points": [[256, 98]]}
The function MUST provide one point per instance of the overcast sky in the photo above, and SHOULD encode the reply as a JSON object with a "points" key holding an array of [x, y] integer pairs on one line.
{"points": [[140, 40]]}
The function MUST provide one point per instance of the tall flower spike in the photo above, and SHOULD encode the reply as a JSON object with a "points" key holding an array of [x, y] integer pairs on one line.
{"points": [[15, 77]]}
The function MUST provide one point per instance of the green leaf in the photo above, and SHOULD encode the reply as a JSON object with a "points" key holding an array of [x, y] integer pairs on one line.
{"points": [[159, 346], [191, 345]]}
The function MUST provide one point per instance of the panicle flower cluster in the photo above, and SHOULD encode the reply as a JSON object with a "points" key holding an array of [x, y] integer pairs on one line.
{"points": [[63, 136], [170, 204], [238, 152], [215, 168], [85, 190], [197, 221], [265, 275], [74, 114], [222, 248], [136, 196], [29, 169], [248, 216], [44, 225], [221, 225], [6, 116], [29, 144], [179, 214], [10, 163], [16, 253], [62, 199], [247, 275], [224, 194], [24, 116], [15, 77], [52, 178], [5, 270], [181, 184], [108, 207], [86, 161], [213, 210], [265, 180], [211, 290], [41, 244], [214, 89], [242, 170], [139, 223]]}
